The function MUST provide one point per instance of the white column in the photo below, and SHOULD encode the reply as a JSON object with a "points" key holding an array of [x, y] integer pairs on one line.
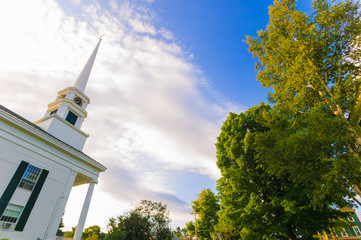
{"points": [[84, 211]]}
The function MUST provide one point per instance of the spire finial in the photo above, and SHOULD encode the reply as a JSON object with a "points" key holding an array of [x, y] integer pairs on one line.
{"points": [[83, 77], [101, 36]]}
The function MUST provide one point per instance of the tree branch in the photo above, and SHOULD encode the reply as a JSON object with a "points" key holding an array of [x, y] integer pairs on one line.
{"points": [[338, 108]]}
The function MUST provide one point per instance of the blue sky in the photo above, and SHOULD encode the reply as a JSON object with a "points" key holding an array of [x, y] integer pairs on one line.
{"points": [[214, 31], [166, 76]]}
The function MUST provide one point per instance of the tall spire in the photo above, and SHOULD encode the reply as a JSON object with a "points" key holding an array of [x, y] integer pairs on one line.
{"points": [[82, 80], [64, 116]]}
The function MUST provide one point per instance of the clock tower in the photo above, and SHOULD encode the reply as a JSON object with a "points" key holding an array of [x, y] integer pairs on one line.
{"points": [[65, 115]]}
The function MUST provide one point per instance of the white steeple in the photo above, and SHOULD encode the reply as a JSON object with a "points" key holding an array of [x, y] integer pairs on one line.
{"points": [[66, 114], [82, 80]]}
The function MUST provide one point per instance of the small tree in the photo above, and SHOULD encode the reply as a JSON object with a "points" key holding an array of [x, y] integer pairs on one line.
{"points": [[180, 233], [148, 220], [190, 228], [207, 207], [3, 238], [59, 232], [89, 233], [70, 234], [92, 233]]}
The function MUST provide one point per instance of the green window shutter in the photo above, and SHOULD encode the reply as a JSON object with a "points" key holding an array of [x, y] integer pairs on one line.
{"points": [[13, 184], [31, 202]]}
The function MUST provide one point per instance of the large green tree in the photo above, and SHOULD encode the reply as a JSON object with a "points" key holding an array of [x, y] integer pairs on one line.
{"points": [[310, 60], [286, 169], [206, 206], [148, 220], [270, 188], [312, 64]]}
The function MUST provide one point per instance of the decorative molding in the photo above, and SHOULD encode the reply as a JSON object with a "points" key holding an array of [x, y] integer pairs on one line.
{"points": [[54, 142], [74, 106], [64, 121], [68, 89]]}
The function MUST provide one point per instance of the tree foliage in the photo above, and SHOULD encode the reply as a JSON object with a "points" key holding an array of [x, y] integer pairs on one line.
{"points": [[92, 233], [206, 206], [312, 64], [148, 220], [60, 232], [181, 233], [191, 229], [310, 60], [3, 238], [276, 182], [70, 234], [288, 167], [89, 233]]}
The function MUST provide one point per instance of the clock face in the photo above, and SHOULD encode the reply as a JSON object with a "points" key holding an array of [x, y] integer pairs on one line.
{"points": [[78, 101]]}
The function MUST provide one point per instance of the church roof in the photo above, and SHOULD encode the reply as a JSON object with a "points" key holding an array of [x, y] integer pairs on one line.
{"points": [[37, 128]]}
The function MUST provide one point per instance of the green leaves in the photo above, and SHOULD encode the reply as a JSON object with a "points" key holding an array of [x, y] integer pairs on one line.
{"points": [[287, 169], [206, 206], [277, 172], [310, 59], [148, 220]]}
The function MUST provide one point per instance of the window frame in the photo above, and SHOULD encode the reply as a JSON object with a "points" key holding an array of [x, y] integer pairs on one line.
{"points": [[30, 177], [53, 112], [8, 218], [344, 233], [358, 232], [71, 118]]}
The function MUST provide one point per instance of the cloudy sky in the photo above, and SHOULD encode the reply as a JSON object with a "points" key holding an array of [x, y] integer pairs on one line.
{"points": [[166, 76]]}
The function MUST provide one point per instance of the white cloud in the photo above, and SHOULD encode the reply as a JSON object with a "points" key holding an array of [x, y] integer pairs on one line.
{"points": [[142, 27], [114, 5], [166, 34], [76, 2], [149, 110]]}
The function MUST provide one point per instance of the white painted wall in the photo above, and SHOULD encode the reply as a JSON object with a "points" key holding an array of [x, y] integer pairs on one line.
{"points": [[64, 131], [19, 142]]}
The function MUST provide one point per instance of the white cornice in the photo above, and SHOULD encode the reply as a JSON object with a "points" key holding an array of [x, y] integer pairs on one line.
{"points": [[81, 94], [50, 140], [64, 121], [74, 106]]}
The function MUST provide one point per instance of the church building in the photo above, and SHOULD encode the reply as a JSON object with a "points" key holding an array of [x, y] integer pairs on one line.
{"points": [[40, 162]]}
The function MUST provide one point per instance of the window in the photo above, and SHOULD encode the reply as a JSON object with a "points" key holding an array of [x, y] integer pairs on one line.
{"points": [[53, 112], [350, 219], [357, 231], [344, 233], [30, 177], [11, 213], [71, 117]]}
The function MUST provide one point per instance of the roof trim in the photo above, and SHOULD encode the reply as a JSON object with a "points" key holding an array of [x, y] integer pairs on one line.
{"points": [[55, 140]]}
